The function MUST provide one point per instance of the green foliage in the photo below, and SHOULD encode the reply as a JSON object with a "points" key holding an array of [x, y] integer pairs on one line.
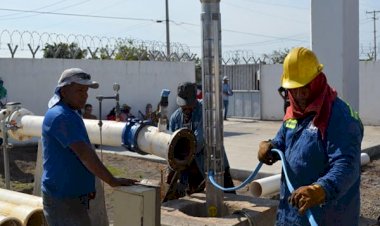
{"points": [[277, 56], [128, 50], [64, 50]]}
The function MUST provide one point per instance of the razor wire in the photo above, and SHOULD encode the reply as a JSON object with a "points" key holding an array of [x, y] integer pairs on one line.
{"points": [[237, 57], [32, 44]]}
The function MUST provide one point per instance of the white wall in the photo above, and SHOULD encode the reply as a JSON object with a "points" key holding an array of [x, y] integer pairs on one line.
{"points": [[335, 41], [272, 104], [369, 92], [32, 81]]}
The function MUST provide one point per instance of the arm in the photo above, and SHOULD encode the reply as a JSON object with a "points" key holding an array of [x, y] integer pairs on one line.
{"points": [[343, 150], [230, 92], [91, 161], [265, 155]]}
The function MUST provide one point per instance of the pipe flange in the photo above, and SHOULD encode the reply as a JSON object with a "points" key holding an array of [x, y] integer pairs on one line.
{"points": [[182, 149], [15, 126]]}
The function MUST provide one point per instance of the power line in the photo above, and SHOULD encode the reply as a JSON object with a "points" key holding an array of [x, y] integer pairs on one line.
{"points": [[77, 15], [374, 12], [43, 7]]}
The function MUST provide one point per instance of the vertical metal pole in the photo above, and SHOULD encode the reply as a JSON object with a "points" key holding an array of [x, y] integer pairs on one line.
{"points": [[212, 102], [167, 31], [5, 154]]}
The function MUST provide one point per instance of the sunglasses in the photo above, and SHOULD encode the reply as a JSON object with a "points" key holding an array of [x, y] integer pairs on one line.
{"points": [[83, 76]]}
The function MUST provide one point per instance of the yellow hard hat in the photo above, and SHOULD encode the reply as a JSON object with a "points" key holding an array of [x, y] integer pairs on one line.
{"points": [[301, 66]]}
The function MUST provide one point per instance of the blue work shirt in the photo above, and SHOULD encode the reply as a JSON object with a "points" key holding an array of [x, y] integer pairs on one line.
{"points": [[333, 163], [196, 125], [64, 175], [227, 91]]}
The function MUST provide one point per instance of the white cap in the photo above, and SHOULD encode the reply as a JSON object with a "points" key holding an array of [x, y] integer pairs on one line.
{"points": [[76, 75], [69, 76], [226, 78]]}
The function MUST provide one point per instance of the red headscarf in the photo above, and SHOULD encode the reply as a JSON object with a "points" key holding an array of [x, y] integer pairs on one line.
{"points": [[322, 96]]}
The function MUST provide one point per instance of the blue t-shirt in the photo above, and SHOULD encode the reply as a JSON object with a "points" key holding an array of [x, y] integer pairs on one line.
{"points": [[64, 175]]}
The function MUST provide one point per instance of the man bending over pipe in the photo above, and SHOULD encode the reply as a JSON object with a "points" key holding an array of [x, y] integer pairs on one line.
{"points": [[189, 115]]}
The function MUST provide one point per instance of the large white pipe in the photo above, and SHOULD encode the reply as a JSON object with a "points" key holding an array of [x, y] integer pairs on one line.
{"points": [[28, 215], [271, 185], [26, 208], [178, 147], [31, 126], [9, 221], [19, 198]]}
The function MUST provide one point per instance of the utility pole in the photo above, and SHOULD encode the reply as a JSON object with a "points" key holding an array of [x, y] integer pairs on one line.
{"points": [[374, 30], [167, 31]]}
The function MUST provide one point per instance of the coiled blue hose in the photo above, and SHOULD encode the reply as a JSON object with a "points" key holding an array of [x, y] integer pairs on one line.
{"points": [[309, 214]]}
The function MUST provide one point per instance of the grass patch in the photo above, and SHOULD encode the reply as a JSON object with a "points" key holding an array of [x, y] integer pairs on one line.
{"points": [[115, 171]]}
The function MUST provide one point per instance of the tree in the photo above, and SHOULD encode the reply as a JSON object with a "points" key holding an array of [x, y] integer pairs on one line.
{"points": [[127, 50], [64, 50], [277, 56]]}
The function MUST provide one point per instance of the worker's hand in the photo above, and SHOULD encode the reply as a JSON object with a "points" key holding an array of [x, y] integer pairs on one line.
{"points": [[265, 154], [122, 182], [307, 196]]}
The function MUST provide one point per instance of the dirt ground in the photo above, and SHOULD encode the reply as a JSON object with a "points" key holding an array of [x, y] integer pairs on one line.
{"points": [[22, 165]]}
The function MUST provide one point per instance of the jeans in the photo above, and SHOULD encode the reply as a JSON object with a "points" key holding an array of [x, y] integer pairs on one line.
{"points": [[225, 104], [67, 211]]}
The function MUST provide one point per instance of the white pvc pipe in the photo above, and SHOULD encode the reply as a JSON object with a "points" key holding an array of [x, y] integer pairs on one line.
{"points": [[9, 221], [28, 215], [178, 147], [271, 185], [19, 198], [152, 141], [111, 130], [24, 207], [265, 186]]}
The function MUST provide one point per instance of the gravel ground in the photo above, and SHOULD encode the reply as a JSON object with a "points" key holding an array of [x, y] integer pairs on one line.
{"points": [[22, 164]]}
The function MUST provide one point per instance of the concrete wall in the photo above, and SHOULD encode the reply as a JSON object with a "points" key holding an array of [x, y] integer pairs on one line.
{"points": [[369, 80], [369, 92], [271, 102], [335, 41], [32, 81]]}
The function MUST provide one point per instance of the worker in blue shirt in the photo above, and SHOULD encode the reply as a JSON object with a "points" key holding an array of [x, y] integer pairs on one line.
{"points": [[321, 139], [227, 92], [189, 115], [70, 164]]}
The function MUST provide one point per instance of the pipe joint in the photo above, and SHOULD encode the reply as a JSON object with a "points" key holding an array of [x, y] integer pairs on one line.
{"points": [[130, 133]]}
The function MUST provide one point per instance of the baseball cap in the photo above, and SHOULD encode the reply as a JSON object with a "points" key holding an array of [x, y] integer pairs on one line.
{"points": [[76, 75], [186, 94], [226, 78], [69, 76]]}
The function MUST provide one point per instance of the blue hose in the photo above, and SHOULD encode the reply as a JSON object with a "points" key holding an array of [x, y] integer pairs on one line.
{"points": [[247, 181], [309, 214]]}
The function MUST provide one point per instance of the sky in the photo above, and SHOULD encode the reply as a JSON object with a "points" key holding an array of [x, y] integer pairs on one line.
{"points": [[255, 27]]}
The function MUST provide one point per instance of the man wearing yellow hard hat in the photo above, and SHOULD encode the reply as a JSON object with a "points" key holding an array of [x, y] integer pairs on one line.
{"points": [[321, 140]]}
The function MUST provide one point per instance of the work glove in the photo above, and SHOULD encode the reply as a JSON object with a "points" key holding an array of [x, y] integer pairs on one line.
{"points": [[265, 154], [307, 196]]}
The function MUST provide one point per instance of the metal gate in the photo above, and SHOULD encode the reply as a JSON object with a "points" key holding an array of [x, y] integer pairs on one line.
{"points": [[245, 83]]}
